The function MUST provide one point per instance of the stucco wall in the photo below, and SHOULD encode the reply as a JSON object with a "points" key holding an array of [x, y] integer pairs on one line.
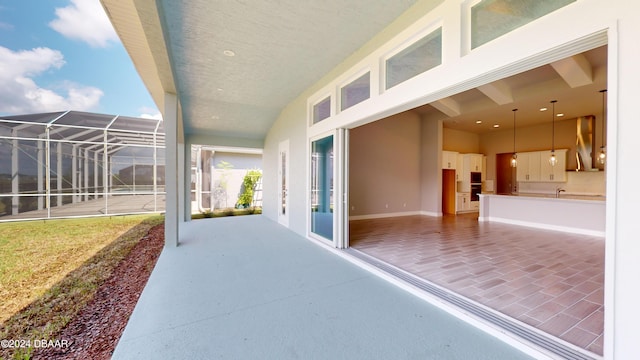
{"points": [[292, 126]]}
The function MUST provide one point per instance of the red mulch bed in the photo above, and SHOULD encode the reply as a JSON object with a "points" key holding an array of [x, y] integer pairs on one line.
{"points": [[95, 332]]}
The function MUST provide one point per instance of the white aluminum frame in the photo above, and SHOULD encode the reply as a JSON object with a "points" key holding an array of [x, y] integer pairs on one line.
{"points": [[99, 149]]}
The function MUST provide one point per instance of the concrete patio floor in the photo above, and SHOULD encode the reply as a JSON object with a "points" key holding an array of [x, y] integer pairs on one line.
{"points": [[248, 288]]}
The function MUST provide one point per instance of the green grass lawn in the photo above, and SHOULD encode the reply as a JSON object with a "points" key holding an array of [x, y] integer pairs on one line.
{"points": [[55, 267]]}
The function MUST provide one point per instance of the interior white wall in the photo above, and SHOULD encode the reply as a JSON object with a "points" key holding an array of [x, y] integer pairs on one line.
{"points": [[460, 141], [384, 166], [431, 167]]}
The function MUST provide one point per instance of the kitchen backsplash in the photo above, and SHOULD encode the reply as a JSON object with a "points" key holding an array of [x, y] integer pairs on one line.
{"points": [[578, 183]]}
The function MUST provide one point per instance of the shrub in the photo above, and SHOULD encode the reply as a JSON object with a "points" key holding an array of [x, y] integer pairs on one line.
{"points": [[248, 185]]}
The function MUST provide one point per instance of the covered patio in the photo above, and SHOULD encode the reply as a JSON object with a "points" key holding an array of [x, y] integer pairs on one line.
{"points": [[248, 288]]}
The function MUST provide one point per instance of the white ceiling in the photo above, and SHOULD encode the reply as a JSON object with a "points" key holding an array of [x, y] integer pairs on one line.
{"points": [[281, 48], [528, 92]]}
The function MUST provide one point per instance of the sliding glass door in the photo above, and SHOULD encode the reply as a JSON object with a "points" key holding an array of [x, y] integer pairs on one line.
{"points": [[322, 199], [327, 188]]}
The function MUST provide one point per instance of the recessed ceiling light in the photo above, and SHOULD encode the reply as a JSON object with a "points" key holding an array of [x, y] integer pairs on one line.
{"points": [[229, 53], [543, 109], [559, 114], [478, 121], [496, 126]]}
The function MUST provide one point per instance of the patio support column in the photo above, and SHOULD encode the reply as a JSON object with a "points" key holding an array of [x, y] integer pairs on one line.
{"points": [[173, 169], [15, 176], [59, 172], [184, 176]]}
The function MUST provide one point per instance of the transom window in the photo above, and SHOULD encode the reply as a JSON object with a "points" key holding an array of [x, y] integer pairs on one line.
{"points": [[355, 92], [322, 110], [491, 19], [419, 57]]}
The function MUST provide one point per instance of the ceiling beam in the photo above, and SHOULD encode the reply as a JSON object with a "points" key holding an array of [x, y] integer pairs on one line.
{"points": [[498, 91], [448, 106], [575, 70]]}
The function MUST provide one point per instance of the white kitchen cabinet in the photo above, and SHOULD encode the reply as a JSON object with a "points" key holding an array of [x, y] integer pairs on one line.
{"points": [[449, 160], [472, 163], [528, 168], [522, 170], [534, 167], [463, 202], [459, 169], [557, 173]]}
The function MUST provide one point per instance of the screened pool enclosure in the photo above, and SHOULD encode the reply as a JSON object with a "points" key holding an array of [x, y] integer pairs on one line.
{"points": [[66, 164]]}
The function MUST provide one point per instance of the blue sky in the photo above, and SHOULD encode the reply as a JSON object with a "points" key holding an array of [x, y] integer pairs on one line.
{"points": [[58, 55]]}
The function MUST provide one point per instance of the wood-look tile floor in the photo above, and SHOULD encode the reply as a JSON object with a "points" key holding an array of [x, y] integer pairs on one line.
{"points": [[550, 280]]}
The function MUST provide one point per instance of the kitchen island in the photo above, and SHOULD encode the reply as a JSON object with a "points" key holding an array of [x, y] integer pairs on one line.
{"points": [[577, 214]]}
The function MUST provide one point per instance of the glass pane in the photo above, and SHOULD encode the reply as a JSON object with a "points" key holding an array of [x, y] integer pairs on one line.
{"points": [[355, 92], [493, 18], [421, 56], [322, 187], [322, 110], [283, 182]]}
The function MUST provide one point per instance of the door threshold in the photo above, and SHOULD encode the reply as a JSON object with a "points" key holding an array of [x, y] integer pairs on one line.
{"points": [[534, 336]]}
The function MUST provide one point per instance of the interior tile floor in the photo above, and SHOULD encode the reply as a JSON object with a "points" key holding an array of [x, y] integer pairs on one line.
{"points": [[550, 280]]}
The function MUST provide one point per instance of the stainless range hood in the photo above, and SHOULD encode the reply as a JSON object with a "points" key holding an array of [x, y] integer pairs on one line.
{"points": [[585, 157]]}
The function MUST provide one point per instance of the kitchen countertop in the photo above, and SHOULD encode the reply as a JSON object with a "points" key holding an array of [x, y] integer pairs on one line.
{"points": [[553, 196]]}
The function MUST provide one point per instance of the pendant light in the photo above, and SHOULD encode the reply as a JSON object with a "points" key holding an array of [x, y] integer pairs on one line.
{"points": [[514, 158], [553, 160], [602, 156]]}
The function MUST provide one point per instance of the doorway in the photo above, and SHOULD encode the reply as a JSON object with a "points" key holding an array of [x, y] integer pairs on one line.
{"points": [[322, 197], [448, 191], [505, 174], [283, 183]]}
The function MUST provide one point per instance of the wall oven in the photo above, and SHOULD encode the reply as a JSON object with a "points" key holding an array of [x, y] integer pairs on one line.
{"points": [[476, 185], [476, 189]]}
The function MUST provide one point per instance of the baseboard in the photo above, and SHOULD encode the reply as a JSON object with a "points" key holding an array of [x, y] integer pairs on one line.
{"points": [[566, 229], [385, 215], [431, 213]]}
